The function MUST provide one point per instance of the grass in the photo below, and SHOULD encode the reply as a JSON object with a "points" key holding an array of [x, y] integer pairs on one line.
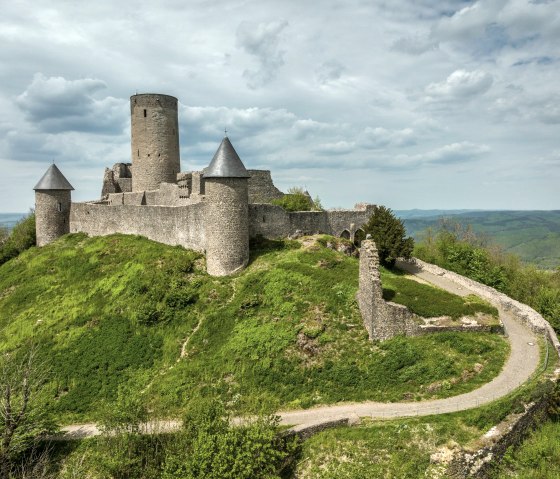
{"points": [[427, 301], [118, 310], [402, 448]]}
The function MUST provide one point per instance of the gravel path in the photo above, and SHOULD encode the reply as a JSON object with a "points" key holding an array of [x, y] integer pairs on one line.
{"points": [[521, 364]]}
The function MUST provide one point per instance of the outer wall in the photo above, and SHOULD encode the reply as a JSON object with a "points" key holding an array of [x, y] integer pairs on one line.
{"points": [[227, 225], [154, 141], [52, 215]]}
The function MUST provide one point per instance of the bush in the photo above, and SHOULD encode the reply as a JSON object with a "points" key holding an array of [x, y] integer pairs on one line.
{"points": [[389, 233], [297, 199], [212, 448], [21, 237]]}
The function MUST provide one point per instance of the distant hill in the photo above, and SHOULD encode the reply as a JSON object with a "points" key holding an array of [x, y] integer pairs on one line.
{"points": [[9, 220], [532, 235]]}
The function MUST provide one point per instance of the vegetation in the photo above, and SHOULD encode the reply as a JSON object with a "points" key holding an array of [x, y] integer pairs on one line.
{"points": [[402, 448], [297, 199], [389, 235], [534, 236], [459, 249], [427, 301], [20, 238], [122, 311], [208, 446], [22, 421]]}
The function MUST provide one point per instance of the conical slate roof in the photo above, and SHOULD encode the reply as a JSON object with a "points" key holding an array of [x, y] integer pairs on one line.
{"points": [[226, 163], [53, 179]]}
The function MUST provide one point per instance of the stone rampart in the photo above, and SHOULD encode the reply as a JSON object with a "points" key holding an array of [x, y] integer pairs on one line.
{"points": [[261, 187], [182, 225], [271, 221], [382, 319]]}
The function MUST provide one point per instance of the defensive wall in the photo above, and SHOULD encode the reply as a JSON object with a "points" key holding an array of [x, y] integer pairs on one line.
{"points": [[271, 221], [166, 224], [187, 225], [384, 320]]}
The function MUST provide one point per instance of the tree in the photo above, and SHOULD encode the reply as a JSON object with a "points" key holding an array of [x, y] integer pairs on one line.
{"points": [[21, 237], [389, 235], [23, 420], [297, 199]]}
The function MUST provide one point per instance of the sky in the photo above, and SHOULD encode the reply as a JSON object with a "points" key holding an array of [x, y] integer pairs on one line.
{"points": [[410, 104]]}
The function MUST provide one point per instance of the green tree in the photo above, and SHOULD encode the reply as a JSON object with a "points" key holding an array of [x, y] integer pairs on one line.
{"points": [[297, 199], [389, 235], [21, 237]]}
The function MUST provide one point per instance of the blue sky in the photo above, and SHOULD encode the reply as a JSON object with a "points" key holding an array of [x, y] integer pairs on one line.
{"points": [[424, 104]]}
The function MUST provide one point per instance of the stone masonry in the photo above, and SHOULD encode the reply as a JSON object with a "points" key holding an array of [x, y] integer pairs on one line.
{"points": [[382, 319], [154, 141]]}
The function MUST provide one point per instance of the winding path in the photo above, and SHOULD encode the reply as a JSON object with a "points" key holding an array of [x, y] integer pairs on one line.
{"points": [[521, 364]]}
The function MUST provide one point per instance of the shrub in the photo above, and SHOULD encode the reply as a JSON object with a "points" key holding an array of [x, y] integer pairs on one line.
{"points": [[22, 237], [297, 199], [389, 233]]}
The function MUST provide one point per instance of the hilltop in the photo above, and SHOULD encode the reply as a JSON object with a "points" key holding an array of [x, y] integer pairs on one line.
{"points": [[125, 312]]}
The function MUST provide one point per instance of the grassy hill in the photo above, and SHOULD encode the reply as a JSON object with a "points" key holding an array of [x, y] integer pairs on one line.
{"points": [[125, 312], [532, 235]]}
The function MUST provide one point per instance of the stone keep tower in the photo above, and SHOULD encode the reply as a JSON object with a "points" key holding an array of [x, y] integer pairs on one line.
{"points": [[52, 206], [227, 212], [154, 140]]}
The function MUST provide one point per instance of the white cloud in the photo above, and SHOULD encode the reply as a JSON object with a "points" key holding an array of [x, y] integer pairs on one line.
{"points": [[262, 41], [461, 84]]}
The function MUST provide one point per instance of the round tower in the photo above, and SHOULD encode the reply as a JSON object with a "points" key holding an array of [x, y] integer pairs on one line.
{"points": [[52, 206], [227, 212], [154, 140]]}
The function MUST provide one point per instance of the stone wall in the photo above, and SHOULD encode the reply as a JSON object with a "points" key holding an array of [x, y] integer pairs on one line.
{"points": [[272, 221], [382, 319], [52, 213], [183, 225], [494, 444], [261, 187]]}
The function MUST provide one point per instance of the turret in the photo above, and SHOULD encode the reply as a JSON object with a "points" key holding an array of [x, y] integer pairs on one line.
{"points": [[154, 140], [52, 206], [227, 212]]}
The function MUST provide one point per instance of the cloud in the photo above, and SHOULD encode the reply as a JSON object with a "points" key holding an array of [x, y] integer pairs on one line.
{"points": [[415, 44], [262, 41], [54, 105], [373, 138], [329, 71], [461, 84]]}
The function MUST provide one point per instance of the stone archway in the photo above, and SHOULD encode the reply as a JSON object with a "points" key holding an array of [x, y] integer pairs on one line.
{"points": [[345, 234]]}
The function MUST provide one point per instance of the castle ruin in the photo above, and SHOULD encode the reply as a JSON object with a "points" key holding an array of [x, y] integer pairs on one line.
{"points": [[215, 211]]}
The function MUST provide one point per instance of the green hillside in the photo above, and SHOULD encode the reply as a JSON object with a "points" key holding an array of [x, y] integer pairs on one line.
{"points": [[125, 312], [532, 235]]}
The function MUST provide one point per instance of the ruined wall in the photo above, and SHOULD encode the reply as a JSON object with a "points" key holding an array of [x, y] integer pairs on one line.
{"points": [[226, 221], [382, 319], [261, 187], [52, 213], [167, 224], [154, 141], [272, 221]]}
